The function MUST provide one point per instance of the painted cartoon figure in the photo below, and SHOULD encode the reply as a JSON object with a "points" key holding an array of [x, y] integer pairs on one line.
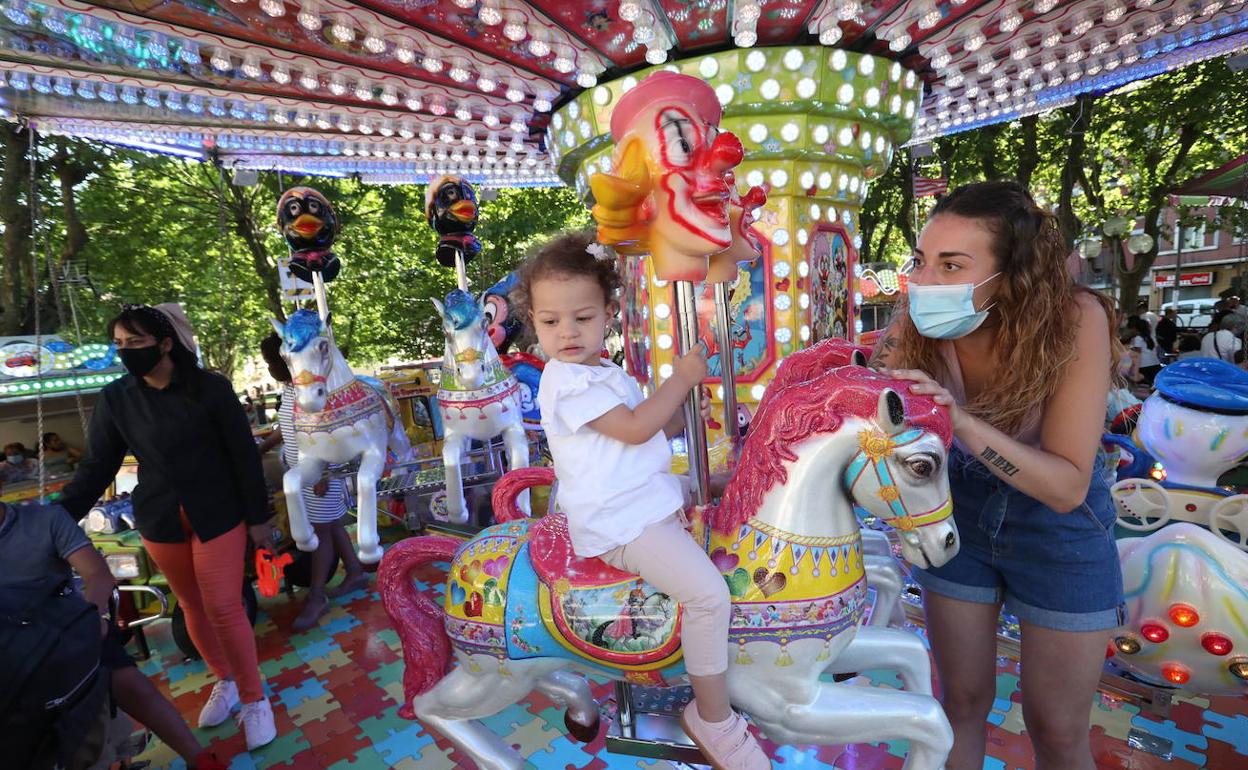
{"points": [[309, 225], [451, 208], [503, 325], [672, 180]]}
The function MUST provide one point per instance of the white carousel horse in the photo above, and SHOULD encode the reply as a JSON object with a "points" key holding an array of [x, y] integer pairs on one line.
{"points": [[1186, 583], [520, 609], [339, 416], [479, 397]]}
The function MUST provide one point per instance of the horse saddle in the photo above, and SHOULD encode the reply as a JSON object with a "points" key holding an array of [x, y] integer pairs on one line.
{"points": [[601, 613]]}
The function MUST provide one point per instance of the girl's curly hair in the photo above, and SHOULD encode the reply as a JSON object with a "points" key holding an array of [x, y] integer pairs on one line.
{"points": [[564, 256]]}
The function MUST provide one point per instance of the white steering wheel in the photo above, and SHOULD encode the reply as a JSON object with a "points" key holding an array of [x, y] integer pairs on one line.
{"points": [[1231, 515], [1143, 504]]}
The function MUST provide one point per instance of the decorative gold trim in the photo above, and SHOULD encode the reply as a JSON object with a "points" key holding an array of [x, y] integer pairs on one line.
{"points": [[876, 445], [806, 540]]}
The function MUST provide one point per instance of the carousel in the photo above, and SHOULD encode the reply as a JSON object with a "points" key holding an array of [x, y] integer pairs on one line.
{"points": [[726, 150]]}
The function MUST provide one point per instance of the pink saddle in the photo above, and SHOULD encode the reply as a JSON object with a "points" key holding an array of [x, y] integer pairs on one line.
{"points": [[550, 552]]}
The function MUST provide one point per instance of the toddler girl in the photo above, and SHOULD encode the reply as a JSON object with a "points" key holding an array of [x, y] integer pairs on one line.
{"points": [[613, 463]]}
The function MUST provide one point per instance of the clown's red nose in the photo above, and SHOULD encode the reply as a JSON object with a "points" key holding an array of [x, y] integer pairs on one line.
{"points": [[726, 153]]}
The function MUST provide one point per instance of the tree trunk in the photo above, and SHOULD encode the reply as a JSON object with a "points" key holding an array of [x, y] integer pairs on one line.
{"points": [[1028, 151], [1081, 115], [986, 143], [15, 302], [266, 270], [1158, 197]]}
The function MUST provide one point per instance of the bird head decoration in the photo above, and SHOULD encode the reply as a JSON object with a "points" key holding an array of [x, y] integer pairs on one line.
{"points": [[451, 208], [307, 221], [669, 191]]}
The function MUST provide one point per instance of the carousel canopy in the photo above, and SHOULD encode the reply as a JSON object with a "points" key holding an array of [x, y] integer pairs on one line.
{"points": [[401, 90]]}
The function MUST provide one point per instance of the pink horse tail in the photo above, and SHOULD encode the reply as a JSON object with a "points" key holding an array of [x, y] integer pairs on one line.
{"points": [[509, 487], [417, 618]]}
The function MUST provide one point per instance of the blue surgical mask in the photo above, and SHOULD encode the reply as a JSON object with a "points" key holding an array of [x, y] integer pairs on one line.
{"points": [[15, 459], [947, 312]]}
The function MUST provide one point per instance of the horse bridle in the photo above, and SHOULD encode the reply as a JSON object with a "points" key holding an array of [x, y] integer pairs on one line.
{"points": [[874, 449]]}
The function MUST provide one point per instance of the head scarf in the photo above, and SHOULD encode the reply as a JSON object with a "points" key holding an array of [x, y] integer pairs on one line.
{"points": [[169, 320]]}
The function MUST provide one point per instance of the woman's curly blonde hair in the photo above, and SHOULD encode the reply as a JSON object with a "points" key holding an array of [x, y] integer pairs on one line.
{"points": [[1034, 309]]}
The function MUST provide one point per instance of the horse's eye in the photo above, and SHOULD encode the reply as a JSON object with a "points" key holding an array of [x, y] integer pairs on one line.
{"points": [[324, 346], [922, 465]]}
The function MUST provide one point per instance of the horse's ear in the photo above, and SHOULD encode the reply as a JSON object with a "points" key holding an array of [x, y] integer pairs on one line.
{"points": [[890, 414], [438, 305], [278, 327], [858, 358]]}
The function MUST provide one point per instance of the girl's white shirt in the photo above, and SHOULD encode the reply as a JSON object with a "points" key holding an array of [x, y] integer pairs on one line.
{"points": [[609, 490]]}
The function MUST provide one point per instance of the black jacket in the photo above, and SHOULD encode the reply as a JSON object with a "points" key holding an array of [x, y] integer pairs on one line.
{"points": [[195, 451]]}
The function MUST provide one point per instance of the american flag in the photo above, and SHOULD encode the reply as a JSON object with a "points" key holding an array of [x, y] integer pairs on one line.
{"points": [[924, 187]]}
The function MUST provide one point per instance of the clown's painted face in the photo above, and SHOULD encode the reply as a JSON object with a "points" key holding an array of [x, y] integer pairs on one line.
{"points": [[692, 160]]}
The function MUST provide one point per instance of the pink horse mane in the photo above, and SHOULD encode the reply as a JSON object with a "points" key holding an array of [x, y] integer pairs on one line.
{"points": [[804, 409], [809, 363]]}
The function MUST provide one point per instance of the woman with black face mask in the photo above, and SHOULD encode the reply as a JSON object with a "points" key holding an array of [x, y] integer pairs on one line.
{"points": [[201, 492]]}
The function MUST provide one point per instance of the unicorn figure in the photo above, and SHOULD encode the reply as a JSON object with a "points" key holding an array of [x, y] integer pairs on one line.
{"points": [[339, 416], [785, 539], [478, 396]]}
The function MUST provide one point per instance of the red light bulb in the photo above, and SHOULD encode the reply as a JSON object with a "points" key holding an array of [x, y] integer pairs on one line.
{"points": [[1154, 632], [1184, 615], [1176, 673], [1216, 644]]}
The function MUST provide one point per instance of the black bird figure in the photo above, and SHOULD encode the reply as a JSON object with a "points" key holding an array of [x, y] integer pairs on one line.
{"points": [[451, 208], [308, 223]]}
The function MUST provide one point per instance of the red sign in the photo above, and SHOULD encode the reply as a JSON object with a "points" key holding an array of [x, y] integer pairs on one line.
{"points": [[1189, 279]]}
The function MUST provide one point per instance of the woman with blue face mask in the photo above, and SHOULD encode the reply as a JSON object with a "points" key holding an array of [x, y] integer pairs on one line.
{"points": [[996, 330]]}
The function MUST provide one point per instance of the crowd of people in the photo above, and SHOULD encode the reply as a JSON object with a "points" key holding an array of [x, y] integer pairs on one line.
{"points": [[1152, 341], [22, 464]]}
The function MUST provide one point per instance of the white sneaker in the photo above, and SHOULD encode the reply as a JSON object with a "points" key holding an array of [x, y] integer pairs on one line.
{"points": [[256, 720], [223, 698]]}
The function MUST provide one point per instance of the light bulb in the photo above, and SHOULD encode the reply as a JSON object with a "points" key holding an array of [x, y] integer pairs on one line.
{"points": [[900, 42], [431, 64], [542, 104], [487, 82], [514, 30], [374, 42], [459, 71], [518, 124], [629, 10], [309, 15], [309, 81], [746, 38], [514, 92], [975, 40], [342, 32], [337, 85], [406, 131], [586, 79], [490, 119], [463, 112], [538, 46], [1082, 23], [1011, 20], [643, 34], [848, 9], [565, 60], [489, 13], [831, 35], [748, 12], [465, 4], [389, 96], [404, 52], [363, 91], [274, 8], [1115, 10], [654, 56], [280, 74], [220, 60]]}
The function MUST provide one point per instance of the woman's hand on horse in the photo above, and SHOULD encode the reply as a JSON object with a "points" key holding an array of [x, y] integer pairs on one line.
{"points": [[924, 385]]}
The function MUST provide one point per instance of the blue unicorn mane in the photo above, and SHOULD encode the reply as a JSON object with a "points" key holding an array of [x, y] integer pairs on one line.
{"points": [[462, 309], [302, 327]]}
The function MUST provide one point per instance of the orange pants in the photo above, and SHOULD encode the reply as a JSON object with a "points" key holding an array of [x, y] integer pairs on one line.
{"points": [[207, 579]]}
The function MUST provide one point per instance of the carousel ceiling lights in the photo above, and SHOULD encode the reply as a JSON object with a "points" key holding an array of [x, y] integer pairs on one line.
{"points": [[983, 63]]}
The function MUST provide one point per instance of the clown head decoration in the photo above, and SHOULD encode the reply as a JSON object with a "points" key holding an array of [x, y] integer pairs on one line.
{"points": [[746, 247], [308, 223], [672, 177], [451, 208]]}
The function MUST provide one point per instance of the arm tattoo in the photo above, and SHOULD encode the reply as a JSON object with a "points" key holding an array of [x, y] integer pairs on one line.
{"points": [[882, 351], [991, 457]]}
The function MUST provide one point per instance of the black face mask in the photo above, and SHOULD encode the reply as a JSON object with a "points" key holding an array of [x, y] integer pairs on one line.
{"points": [[140, 361]]}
